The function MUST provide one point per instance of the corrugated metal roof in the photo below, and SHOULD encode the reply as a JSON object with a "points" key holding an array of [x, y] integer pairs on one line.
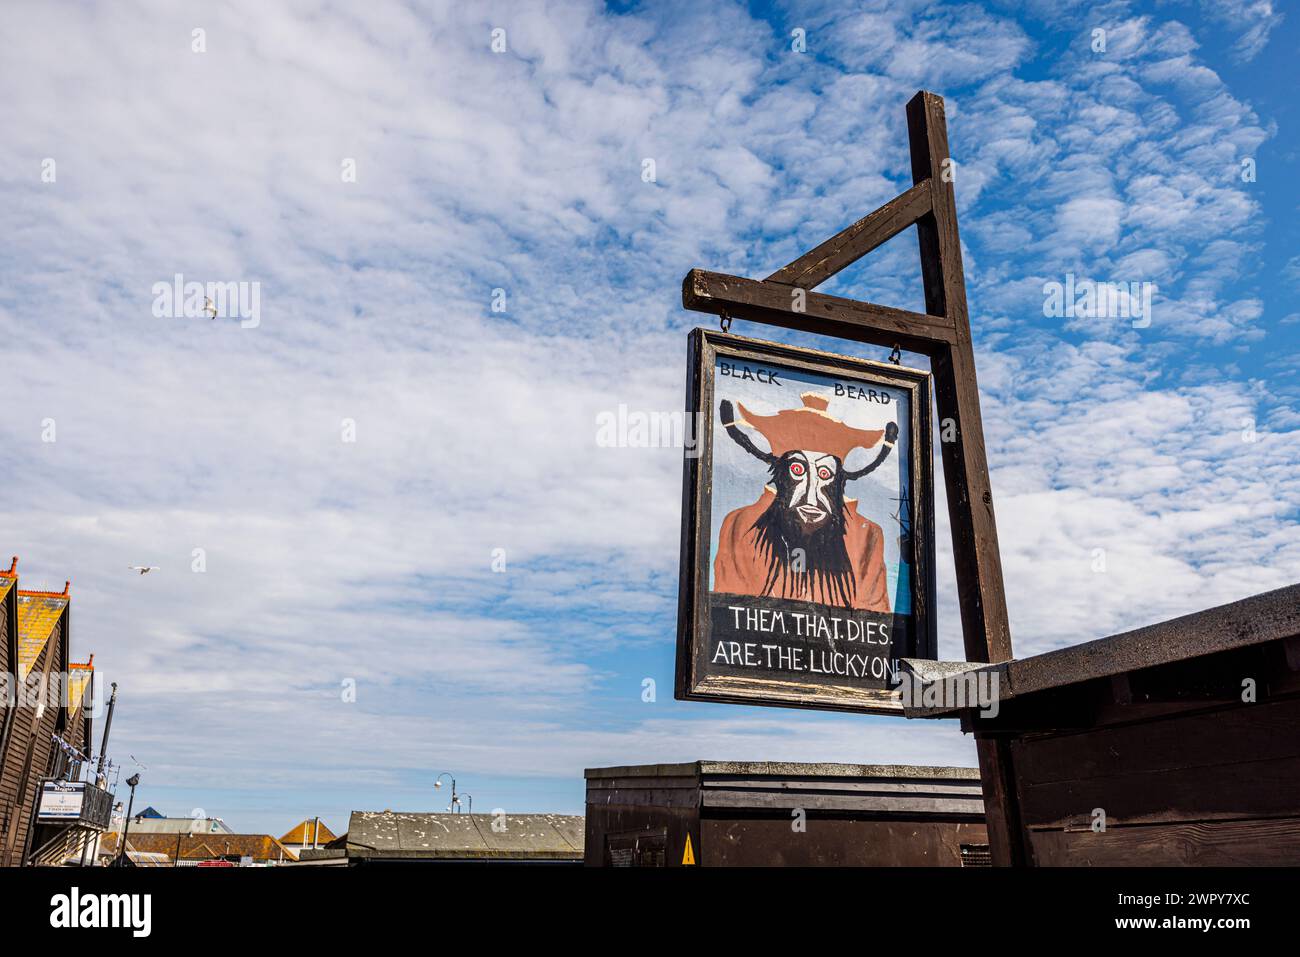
{"points": [[179, 825], [388, 834], [38, 613]]}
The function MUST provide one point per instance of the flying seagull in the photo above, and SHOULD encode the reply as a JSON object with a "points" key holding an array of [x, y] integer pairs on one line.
{"points": [[143, 569], [209, 308]]}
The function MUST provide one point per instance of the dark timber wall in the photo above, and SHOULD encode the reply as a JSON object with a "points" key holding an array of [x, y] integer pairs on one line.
{"points": [[1183, 738], [766, 814]]}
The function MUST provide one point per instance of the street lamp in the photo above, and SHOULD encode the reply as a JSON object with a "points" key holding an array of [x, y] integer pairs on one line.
{"points": [[132, 781], [455, 801]]}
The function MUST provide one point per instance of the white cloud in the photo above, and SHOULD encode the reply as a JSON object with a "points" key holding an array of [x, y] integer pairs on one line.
{"points": [[476, 430]]}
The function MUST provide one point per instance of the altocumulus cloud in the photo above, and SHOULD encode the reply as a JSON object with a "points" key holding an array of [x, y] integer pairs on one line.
{"points": [[475, 429]]}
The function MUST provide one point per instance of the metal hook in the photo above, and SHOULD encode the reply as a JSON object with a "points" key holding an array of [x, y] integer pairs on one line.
{"points": [[896, 356], [724, 321]]}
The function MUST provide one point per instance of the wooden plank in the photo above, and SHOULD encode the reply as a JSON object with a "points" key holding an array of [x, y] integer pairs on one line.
{"points": [[1255, 620], [866, 803], [1257, 732], [823, 786], [1192, 662], [1241, 762], [762, 841], [775, 304], [1254, 843], [799, 769], [981, 594], [643, 797], [852, 243], [1144, 796], [1001, 803], [980, 590]]}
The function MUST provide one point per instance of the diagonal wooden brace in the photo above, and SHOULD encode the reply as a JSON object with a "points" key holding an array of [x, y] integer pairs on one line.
{"points": [[849, 245]]}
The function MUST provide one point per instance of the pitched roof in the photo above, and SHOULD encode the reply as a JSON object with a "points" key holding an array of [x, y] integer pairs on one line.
{"points": [[79, 678], [201, 847], [38, 614], [557, 837], [8, 579], [179, 825], [302, 834]]}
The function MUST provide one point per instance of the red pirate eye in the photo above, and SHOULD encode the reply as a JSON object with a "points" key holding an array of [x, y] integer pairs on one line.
{"points": [[824, 474], [796, 469]]}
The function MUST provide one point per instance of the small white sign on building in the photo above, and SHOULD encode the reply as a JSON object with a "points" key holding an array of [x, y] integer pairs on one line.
{"points": [[61, 800]]}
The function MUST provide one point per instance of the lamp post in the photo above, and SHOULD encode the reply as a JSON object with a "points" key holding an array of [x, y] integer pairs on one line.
{"points": [[455, 801], [132, 781], [103, 744]]}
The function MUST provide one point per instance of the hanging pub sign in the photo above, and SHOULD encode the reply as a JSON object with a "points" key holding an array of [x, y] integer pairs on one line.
{"points": [[807, 563]]}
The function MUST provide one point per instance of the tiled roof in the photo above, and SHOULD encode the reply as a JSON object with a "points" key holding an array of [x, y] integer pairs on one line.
{"points": [[79, 677], [302, 834], [201, 847], [38, 613], [8, 579]]}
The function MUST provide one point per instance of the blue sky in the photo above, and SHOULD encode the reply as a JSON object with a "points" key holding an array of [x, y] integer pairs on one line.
{"points": [[1171, 450]]}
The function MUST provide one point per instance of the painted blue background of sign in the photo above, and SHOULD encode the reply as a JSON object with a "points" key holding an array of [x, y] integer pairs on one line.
{"points": [[738, 478]]}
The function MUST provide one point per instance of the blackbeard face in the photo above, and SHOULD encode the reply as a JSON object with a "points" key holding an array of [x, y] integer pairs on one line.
{"points": [[801, 534], [808, 485]]}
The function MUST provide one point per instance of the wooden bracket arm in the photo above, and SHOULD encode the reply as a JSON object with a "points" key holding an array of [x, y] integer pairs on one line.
{"points": [[849, 245], [779, 305]]}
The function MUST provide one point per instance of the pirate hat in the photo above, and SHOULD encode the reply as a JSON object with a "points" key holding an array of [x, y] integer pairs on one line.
{"points": [[811, 428]]}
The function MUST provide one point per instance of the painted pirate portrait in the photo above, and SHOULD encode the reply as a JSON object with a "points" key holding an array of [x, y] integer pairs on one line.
{"points": [[803, 537]]}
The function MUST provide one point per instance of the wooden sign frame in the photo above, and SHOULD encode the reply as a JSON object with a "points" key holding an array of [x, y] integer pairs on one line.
{"points": [[942, 332], [696, 679]]}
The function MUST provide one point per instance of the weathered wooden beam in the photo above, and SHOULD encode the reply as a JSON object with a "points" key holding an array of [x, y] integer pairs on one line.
{"points": [[852, 243], [978, 565], [779, 305], [970, 498]]}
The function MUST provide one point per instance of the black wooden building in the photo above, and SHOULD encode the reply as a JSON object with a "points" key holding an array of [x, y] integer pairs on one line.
{"points": [[721, 813], [1174, 744]]}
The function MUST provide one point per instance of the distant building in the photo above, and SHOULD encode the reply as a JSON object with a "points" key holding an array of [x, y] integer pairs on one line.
{"points": [[311, 834], [51, 741], [155, 823], [189, 850], [386, 837]]}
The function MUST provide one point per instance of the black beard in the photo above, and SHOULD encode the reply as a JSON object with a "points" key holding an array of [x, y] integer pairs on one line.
{"points": [[827, 569]]}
